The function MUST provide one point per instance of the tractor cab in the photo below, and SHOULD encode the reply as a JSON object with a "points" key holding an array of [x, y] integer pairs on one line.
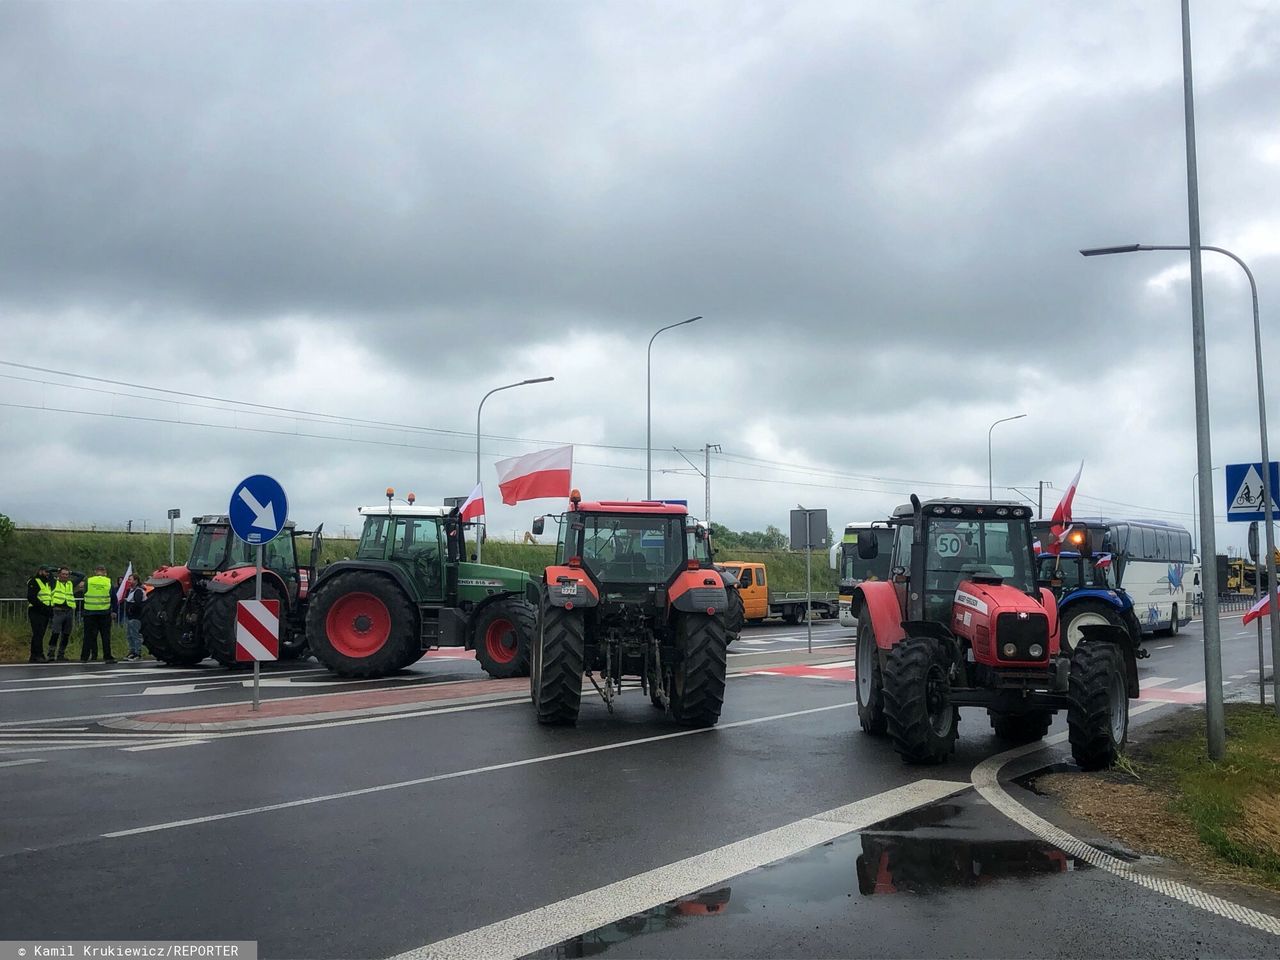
{"points": [[1069, 571], [417, 539], [948, 542]]}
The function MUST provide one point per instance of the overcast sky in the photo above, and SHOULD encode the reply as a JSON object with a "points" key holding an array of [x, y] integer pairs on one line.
{"points": [[379, 211]]}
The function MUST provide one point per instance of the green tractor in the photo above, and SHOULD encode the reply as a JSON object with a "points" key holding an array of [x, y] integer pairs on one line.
{"points": [[409, 589]]}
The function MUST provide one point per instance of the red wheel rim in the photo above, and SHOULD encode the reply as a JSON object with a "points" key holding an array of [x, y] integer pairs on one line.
{"points": [[358, 625], [500, 641]]}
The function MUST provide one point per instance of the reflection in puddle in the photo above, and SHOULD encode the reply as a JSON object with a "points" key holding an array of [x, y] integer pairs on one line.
{"points": [[664, 917]]}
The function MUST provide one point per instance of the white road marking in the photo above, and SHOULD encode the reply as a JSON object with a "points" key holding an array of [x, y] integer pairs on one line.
{"points": [[19, 763], [419, 781], [1251, 671], [1197, 687], [1236, 676], [1156, 681], [1167, 646], [126, 683], [986, 777], [838, 665], [164, 746], [556, 922]]}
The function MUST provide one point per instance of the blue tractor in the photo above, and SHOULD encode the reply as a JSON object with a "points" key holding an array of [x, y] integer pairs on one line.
{"points": [[1084, 581]]}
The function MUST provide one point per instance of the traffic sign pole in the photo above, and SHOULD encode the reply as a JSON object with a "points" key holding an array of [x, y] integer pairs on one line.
{"points": [[257, 595], [808, 576]]}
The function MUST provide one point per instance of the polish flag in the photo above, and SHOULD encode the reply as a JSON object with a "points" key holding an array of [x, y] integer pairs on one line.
{"points": [[1102, 562], [535, 475], [1062, 517], [123, 590], [1260, 609], [474, 504]]}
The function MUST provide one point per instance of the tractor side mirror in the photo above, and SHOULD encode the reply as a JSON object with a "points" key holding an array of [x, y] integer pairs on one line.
{"points": [[539, 524], [700, 533], [868, 548]]}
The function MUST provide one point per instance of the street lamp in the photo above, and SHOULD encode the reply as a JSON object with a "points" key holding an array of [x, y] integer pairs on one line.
{"points": [[648, 408], [1274, 616], [509, 386], [990, 488], [1194, 494]]}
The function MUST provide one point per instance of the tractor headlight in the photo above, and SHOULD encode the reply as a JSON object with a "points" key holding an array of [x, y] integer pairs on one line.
{"points": [[1010, 649], [1036, 650]]}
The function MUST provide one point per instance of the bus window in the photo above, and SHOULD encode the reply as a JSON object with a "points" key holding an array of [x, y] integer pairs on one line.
{"points": [[1148, 543], [1162, 544]]}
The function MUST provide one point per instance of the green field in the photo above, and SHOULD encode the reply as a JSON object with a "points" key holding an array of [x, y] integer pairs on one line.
{"points": [[83, 550]]}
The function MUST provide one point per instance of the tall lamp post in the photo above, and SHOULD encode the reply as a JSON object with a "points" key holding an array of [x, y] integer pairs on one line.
{"points": [[990, 488], [1195, 492], [1267, 492], [648, 408], [509, 386]]}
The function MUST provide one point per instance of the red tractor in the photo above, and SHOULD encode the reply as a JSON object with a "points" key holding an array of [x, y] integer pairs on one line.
{"points": [[190, 611], [962, 622], [633, 593]]}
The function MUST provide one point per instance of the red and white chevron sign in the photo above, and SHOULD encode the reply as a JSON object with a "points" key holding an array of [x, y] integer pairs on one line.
{"points": [[258, 630]]}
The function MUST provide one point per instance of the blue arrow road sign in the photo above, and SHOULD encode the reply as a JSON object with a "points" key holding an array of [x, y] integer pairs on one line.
{"points": [[1244, 491], [258, 509]]}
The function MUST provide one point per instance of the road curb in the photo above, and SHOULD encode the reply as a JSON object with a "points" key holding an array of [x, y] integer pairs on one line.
{"points": [[986, 780]]}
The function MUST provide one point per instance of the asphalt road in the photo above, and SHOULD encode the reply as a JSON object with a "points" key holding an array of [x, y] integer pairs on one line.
{"points": [[370, 837]]}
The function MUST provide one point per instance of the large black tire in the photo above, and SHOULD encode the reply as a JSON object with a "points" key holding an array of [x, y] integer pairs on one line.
{"points": [[1098, 717], [735, 616], [504, 631], [1021, 727], [164, 632], [1085, 612], [698, 676], [361, 624], [869, 684], [555, 680], [917, 701], [218, 623]]}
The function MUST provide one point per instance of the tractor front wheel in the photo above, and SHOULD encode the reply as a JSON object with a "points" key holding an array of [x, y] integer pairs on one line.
{"points": [[1098, 715], [164, 628], [869, 684], [1084, 613], [361, 624], [502, 634], [1021, 727], [917, 701], [555, 681], [698, 677]]}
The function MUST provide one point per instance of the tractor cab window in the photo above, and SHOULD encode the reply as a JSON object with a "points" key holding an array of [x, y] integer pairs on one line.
{"points": [[278, 555], [210, 547], [373, 541], [698, 548], [902, 546], [633, 549], [415, 537], [956, 550]]}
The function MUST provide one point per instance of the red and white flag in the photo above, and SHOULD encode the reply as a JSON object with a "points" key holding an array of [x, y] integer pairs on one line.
{"points": [[1260, 609], [123, 590], [546, 473], [474, 504], [1061, 525]]}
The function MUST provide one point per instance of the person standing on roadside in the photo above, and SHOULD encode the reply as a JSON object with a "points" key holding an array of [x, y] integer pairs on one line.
{"points": [[63, 616], [97, 616], [133, 602], [39, 608]]}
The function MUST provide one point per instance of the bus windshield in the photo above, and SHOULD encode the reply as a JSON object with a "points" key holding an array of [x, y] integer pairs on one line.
{"points": [[853, 569]]}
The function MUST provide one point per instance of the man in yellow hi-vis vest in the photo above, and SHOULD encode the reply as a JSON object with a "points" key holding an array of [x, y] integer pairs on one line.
{"points": [[64, 608], [39, 608], [97, 616]]}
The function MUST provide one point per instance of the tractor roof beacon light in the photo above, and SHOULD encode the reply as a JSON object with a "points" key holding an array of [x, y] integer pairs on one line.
{"points": [[575, 497], [411, 498]]}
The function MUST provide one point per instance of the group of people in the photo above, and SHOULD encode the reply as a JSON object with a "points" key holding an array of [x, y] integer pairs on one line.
{"points": [[51, 607]]}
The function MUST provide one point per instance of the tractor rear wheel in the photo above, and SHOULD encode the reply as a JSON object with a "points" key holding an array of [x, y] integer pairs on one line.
{"points": [[1098, 717], [1021, 727], [869, 685], [555, 681], [502, 637], [1084, 613], [917, 701], [164, 631], [219, 622], [736, 615], [698, 677], [360, 624]]}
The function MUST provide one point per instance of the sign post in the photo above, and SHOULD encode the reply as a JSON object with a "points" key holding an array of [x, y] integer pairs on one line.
{"points": [[1247, 501], [258, 512], [174, 514], [808, 529]]}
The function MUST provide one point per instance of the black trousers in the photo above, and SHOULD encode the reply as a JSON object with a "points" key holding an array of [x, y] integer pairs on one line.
{"points": [[39, 624], [95, 625]]}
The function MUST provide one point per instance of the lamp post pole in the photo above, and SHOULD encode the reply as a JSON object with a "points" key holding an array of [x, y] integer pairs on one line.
{"points": [[509, 386], [990, 487], [648, 407]]}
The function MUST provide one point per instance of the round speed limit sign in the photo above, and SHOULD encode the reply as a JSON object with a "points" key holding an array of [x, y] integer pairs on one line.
{"points": [[947, 545]]}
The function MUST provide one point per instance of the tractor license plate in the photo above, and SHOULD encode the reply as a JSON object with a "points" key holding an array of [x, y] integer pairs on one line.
{"points": [[569, 590]]}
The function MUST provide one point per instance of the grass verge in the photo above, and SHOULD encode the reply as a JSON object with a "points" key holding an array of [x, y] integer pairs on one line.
{"points": [[1169, 799], [15, 641]]}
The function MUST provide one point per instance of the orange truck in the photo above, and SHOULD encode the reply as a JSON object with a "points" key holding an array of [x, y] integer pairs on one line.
{"points": [[759, 602]]}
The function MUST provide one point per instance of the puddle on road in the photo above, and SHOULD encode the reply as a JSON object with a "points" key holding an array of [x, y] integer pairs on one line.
{"points": [[929, 851]]}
